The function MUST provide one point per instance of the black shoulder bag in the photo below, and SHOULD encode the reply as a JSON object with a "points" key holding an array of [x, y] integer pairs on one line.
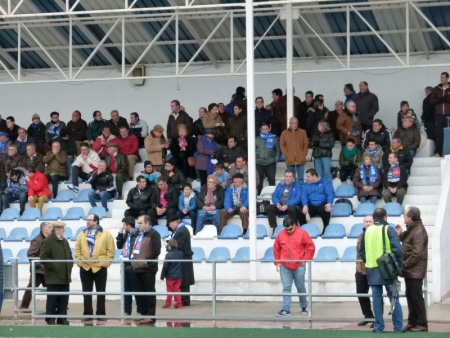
{"points": [[387, 263]]}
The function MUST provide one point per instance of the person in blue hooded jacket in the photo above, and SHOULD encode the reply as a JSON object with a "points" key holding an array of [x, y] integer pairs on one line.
{"points": [[236, 202]]}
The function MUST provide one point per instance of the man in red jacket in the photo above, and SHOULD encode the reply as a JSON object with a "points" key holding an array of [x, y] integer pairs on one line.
{"points": [[292, 243], [129, 146], [38, 190]]}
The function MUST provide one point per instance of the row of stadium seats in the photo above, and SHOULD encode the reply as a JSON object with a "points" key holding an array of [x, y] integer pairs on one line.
{"points": [[364, 209], [51, 214]]}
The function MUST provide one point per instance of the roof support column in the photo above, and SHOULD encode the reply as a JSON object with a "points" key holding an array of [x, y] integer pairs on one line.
{"points": [[289, 63]]}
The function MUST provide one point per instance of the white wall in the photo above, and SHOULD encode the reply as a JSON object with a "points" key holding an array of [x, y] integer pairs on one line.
{"points": [[152, 100]]}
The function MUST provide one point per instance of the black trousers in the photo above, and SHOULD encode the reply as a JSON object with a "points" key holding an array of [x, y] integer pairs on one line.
{"points": [[272, 213], [88, 278], [440, 124], [185, 299], [56, 304], [128, 287], [320, 211], [136, 212], [417, 314], [264, 171], [77, 172], [145, 282], [154, 216], [362, 286]]}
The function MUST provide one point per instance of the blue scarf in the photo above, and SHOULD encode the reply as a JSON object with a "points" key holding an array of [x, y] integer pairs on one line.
{"points": [[54, 130], [373, 174], [210, 145], [90, 238], [138, 243], [126, 248], [394, 172], [373, 152], [180, 226], [237, 197], [269, 139], [3, 145]]}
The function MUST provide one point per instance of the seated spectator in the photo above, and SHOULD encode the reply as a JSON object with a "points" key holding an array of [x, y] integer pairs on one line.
{"points": [[38, 190], [380, 134], [102, 141], [183, 149], [349, 160], [129, 146], [116, 122], [83, 166], [139, 128], [375, 152], [118, 164], [221, 174], [14, 159], [206, 148], [395, 179], [55, 169], [286, 199], [367, 181], [187, 204], [95, 127], [149, 174], [173, 175], [12, 128], [4, 143], [267, 155], [139, 198], [16, 189], [36, 131], [76, 129], [409, 134], [164, 201], [237, 125], [156, 146], [209, 203], [322, 144], [53, 128], [22, 141], [240, 166], [317, 197], [33, 160], [104, 186], [236, 202], [349, 124], [403, 154], [227, 155], [69, 146], [405, 112]]}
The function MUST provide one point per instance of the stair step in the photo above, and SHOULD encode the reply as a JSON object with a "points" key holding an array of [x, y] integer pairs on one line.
{"points": [[422, 199], [425, 210], [427, 162], [425, 171], [424, 180], [425, 190], [428, 220]]}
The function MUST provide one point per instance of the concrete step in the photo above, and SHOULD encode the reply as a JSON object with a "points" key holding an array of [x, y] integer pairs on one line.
{"points": [[425, 171], [424, 181], [427, 162], [426, 190], [426, 210], [422, 199], [428, 220]]}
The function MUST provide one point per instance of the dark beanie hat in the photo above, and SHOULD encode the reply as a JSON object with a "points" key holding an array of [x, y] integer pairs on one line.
{"points": [[240, 90]]}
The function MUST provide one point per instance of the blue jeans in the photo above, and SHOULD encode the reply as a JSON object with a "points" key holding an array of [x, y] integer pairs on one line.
{"points": [[377, 301], [103, 196], [372, 199], [8, 198], [192, 215], [298, 276], [299, 170], [203, 215], [323, 167]]}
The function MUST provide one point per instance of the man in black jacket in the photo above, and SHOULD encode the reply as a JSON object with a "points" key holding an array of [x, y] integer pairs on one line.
{"points": [[403, 154], [379, 134], [367, 103], [103, 185], [164, 201], [263, 116], [118, 164], [138, 199], [428, 114], [395, 180]]}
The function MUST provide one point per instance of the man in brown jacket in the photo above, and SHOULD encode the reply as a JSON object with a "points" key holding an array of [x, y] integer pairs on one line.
{"points": [[294, 146], [414, 268]]}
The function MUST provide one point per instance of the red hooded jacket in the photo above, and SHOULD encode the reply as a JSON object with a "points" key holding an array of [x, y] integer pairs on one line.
{"points": [[294, 246]]}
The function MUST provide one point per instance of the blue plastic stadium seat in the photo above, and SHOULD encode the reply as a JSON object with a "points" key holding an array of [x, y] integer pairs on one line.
{"points": [[52, 214], [2, 234], [199, 255], [30, 214], [349, 254], [261, 232], [99, 211], [64, 195], [7, 256], [230, 231], [9, 214], [163, 231], [68, 233], [242, 255], [83, 195], [22, 256], [393, 209], [334, 230], [356, 230], [17, 235], [312, 229], [327, 254], [345, 191], [74, 213], [220, 254], [341, 210], [277, 231], [74, 238], [268, 255], [33, 234], [365, 209]]}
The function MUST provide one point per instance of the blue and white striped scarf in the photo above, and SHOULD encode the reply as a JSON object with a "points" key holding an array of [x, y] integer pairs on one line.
{"points": [[90, 238]]}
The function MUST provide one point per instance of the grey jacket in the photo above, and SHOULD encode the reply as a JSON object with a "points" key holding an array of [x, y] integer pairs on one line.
{"points": [[266, 155]]}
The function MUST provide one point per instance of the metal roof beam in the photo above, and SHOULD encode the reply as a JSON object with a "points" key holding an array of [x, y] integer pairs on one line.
{"points": [[418, 30], [307, 44]]}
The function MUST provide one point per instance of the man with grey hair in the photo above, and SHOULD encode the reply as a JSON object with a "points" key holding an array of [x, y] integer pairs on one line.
{"points": [[414, 268], [34, 253]]}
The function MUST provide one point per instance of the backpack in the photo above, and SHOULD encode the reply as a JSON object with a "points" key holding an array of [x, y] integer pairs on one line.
{"points": [[261, 207], [344, 200]]}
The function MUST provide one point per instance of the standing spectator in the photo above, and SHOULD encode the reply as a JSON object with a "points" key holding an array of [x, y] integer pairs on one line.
{"points": [[198, 124], [13, 159], [183, 149], [405, 112], [33, 160], [279, 118], [403, 154], [240, 97], [367, 104], [171, 272], [138, 199], [349, 124], [183, 237], [236, 202], [375, 152], [187, 203], [212, 120], [317, 197], [173, 175], [440, 97], [103, 185], [55, 168], [34, 252], [237, 126], [116, 122], [156, 147], [264, 116], [227, 155], [100, 145], [95, 127], [118, 164], [333, 116], [36, 130], [395, 179], [69, 146], [22, 141], [379, 134], [427, 117], [206, 148], [362, 285], [222, 112], [125, 242], [367, 181], [77, 129], [53, 128], [58, 275], [294, 146], [146, 247], [409, 134], [209, 203], [3, 186], [267, 155], [129, 146], [371, 249], [12, 128], [94, 244], [176, 117], [349, 93], [83, 166], [139, 128], [292, 244], [2, 124], [323, 143], [414, 268], [38, 190], [349, 160], [4, 143], [164, 201], [16, 189], [304, 107], [286, 198], [314, 115]]}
